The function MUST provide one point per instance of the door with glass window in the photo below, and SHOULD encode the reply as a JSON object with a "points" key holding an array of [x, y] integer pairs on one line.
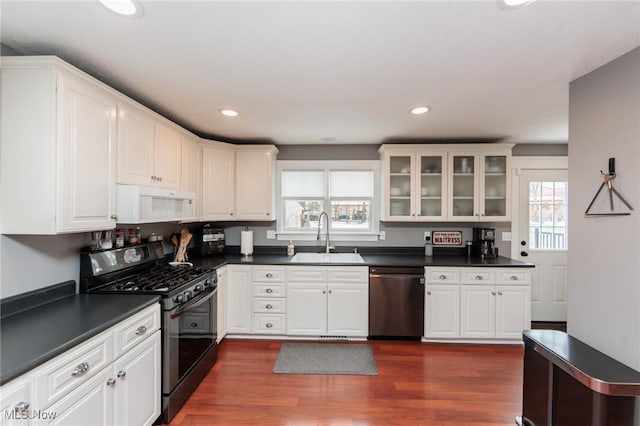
{"points": [[543, 231]]}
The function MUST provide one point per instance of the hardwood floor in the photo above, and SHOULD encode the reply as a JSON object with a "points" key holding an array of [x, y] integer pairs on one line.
{"points": [[417, 384]]}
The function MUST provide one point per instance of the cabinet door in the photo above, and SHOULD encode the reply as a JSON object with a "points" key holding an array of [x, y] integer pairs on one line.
{"points": [[137, 388], [307, 309], [431, 190], [218, 183], [513, 311], [347, 310], [167, 157], [192, 170], [222, 303], [442, 315], [239, 300], [89, 405], [463, 186], [400, 187], [136, 141], [87, 167], [495, 187], [254, 185], [478, 311], [15, 406]]}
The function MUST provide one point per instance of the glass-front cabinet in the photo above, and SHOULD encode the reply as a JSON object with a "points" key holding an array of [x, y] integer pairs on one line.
{"points": [[479, 186], [415, 185]]}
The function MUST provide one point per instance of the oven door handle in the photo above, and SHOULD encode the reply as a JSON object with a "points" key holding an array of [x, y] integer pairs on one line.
{"points": [[193, 303]]}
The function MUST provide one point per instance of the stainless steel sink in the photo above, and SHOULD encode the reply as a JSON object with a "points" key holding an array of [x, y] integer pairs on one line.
{"points": [[327, 258]]}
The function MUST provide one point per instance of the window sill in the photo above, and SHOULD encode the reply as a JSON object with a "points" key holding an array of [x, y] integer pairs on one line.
{"points": [[297, 236]]}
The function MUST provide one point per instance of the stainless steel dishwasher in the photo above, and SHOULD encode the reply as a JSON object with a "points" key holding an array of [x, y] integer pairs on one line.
{"points": [[396, 303]]}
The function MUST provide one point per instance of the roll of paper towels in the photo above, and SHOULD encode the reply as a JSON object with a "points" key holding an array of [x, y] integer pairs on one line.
{"points": [[246, 242]]}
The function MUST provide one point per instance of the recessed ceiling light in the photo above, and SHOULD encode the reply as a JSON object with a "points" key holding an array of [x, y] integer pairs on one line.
{"points": [[128, 8], [420, 110], [229, 112], [513, 4]]}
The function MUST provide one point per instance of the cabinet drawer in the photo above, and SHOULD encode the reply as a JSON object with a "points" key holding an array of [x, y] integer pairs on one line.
{"points": [[268, 274], [273, 305], [478, 276], [270, 290], [438, 275], [304, 274], [271, 324], [137, 328], [349, 274], [514, 276], [68, 371]]}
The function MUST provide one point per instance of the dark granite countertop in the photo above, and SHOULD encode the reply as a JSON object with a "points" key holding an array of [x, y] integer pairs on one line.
{"points": [[375, 259], [592, 368], [31, 337]]}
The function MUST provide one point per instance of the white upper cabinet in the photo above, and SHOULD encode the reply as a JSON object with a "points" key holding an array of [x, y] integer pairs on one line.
{"points": [[218, 181], [414, 185], [149, 151], [426, 183], [58, 149], [192, 169], [480, 185], [238, 181], [255, 194]]}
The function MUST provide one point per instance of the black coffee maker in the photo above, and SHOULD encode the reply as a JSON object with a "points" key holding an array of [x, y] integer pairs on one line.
{"points": [[210, 240], [484, 243]]}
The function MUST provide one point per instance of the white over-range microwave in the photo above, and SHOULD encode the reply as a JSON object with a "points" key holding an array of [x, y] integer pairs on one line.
{"points": [[141, 204]]}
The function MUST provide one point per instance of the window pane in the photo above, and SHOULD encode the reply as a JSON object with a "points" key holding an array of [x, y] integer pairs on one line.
{"points": [[548, 215], [303, 184], [301, 214], [355, 183], [350, 215]]}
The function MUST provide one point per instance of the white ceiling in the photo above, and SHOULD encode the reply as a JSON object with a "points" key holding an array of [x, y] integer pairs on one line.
{"points": [[301, 72]]}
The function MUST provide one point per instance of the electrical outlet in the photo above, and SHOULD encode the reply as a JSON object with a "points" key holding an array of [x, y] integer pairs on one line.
{"points": [[427, 235], [271, 234], [383, 235], [506, 236]]}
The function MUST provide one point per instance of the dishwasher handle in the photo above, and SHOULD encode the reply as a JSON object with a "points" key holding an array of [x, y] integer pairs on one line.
{"points": [[421, 277]]}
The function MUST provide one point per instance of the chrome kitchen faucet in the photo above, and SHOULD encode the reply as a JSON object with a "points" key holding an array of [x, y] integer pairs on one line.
{"points": [[328, 247]]}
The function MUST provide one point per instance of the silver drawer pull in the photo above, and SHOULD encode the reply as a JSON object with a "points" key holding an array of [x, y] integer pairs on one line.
{"points": [[141, 330], [514, 277], [499, 293], [429, 293], [21, 407], [269, 306], [443, 277], [269, 290], [111, 383], [479, 277], [80, 369], [269, 275], [122, 374], [493, 293], [268, 325]]}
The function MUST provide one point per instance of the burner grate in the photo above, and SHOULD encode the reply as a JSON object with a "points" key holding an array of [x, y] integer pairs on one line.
{"points": [[158, 279]]}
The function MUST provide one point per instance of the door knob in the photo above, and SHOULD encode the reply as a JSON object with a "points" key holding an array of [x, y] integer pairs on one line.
{"points": [[524, 253], [523, 243]]}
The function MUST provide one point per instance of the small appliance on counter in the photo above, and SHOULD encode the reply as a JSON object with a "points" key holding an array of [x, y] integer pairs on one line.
{"points": [[484, 243], [210, 240]]}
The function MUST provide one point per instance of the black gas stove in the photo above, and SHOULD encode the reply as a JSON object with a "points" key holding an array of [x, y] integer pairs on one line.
{"points": [[189, 303]]}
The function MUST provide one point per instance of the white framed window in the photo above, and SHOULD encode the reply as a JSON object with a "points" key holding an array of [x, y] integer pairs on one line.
{"points": [[347, 191]]}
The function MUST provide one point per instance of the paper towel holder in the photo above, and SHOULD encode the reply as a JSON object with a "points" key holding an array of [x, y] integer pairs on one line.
{"points": [[246, 242]]}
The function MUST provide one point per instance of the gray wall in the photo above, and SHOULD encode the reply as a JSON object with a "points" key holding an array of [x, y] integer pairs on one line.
{"points": [[604, 267]]}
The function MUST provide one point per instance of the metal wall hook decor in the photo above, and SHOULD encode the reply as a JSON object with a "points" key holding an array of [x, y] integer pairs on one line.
{"points": [[608, 182]]}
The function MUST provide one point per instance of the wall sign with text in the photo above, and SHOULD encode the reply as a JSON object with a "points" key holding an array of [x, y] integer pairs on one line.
{"points": [[447, 238]]}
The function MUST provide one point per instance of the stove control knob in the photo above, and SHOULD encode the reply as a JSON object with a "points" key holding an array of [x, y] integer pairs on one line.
{"points": [[207, 283], [187, 295], [178, 298], [197, 288]]}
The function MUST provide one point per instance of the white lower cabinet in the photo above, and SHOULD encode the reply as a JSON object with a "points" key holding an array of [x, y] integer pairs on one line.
{"points": [[330, 301], [222, 303], [14, 402], [442, 311], [95, 383], [239, 299], [477, 303]]}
